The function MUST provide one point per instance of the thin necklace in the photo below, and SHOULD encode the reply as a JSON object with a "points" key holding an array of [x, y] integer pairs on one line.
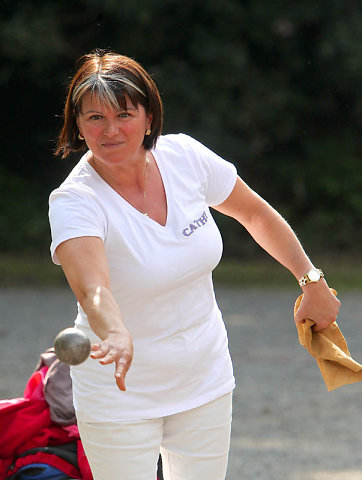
{"points": [[147, 163], [118, 190]]}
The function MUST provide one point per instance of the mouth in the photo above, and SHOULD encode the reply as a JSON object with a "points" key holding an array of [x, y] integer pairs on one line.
{"points": [[112, 144]]}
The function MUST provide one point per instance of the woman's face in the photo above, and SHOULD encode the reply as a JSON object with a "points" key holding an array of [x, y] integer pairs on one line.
{"points": [[113, 136]]}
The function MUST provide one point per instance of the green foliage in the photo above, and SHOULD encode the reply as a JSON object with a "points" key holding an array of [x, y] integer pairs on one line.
{"points": [[24, 270], [273, 86], [23, 216]]}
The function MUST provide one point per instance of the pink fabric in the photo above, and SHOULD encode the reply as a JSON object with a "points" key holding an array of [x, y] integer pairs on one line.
{"points": [[34, 389]]}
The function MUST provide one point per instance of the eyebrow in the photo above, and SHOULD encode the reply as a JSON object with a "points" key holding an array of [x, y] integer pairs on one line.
{"points": [[99, 112], [90, 111]]}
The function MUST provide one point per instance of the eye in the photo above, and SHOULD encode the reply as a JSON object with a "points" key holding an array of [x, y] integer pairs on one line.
{"points": [[95, 117], [124, 115]]}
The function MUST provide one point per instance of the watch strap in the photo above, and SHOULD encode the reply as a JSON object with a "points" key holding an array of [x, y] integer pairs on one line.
{"points": [[305, 279]]}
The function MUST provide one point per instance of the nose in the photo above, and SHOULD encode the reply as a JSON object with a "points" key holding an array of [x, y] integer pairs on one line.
{"points": [[111, 128]]}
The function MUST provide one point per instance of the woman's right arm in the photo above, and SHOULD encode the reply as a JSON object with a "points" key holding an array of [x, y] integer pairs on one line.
{"points": [[85, 265]]}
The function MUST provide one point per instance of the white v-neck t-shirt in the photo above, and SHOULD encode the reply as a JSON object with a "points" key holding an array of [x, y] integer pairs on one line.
{"points": [[161, 278]]}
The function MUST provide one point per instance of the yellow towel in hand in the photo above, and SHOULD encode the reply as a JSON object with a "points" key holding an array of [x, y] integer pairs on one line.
{"points": [[330, 350]]}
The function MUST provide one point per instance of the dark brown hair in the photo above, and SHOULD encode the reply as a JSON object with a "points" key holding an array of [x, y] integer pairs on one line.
{"points": [[109, 76]]}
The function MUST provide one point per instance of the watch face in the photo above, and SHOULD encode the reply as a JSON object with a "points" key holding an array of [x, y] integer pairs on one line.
{"points": [[314, 275]]}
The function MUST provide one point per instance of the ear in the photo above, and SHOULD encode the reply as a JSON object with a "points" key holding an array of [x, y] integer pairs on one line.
{"points": [[149, 120], [77, 121]]}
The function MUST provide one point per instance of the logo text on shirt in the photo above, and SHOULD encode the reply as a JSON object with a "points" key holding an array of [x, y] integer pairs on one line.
{"points": [[195, 225]]}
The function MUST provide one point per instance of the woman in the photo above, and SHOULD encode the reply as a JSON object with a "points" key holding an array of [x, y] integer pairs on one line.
{"points": [[132, 230]]}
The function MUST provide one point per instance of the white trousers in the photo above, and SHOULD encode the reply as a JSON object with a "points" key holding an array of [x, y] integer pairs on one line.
{"points": [[194, 445]]}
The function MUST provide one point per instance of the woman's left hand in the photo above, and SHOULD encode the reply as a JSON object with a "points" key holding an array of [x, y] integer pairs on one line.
{"points": [[319, 304]]}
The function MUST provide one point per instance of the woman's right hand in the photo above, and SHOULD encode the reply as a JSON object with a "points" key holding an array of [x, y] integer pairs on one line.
{"points": [[118, 348]]}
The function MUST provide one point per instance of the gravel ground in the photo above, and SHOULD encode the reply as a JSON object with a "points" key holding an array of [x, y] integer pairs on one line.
{"points": [[286, 425]]}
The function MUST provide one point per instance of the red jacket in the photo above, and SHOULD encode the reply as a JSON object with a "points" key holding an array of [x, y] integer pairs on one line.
{"points": [[25, 423]]}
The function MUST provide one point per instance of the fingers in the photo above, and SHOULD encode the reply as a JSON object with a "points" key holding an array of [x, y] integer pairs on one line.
{"points": [[319, 305], [300, 315], [120, 374], [104, 353], [322, 325], [101, 351], [120, 352], [299, 318], [95, 346]]}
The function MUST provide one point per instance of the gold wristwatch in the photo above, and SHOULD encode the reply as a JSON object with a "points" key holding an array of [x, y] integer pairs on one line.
{"points": [[312, 276]]}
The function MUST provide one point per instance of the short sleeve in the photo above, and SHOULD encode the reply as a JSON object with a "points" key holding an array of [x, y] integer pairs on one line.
{"points": [[73, 215], [220, 175]]}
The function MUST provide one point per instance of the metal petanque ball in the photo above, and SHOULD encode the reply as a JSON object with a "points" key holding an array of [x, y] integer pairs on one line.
{"points": [[72, 346]]}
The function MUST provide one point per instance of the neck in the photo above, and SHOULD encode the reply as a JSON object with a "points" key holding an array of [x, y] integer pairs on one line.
{"points": [[130, 175], [130, 183]]}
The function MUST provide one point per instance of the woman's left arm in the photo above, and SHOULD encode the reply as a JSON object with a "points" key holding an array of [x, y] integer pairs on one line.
{"points": [[276, 237]]}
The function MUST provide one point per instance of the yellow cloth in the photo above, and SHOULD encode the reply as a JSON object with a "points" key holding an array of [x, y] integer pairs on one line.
{"points": [[330, 350]]}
